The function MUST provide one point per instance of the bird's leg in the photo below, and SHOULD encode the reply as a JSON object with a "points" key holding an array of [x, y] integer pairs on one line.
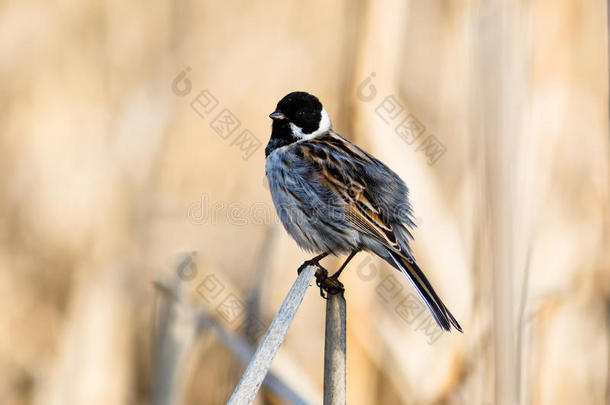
{"points": [[338, 272], [331, 284], [328, 284], [313, 261]]}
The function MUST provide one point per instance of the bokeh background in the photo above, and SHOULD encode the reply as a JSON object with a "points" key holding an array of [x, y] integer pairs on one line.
{"points": [[140, 254]]}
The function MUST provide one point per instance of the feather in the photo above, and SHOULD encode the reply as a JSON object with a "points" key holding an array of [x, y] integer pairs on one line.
{"points": [[439, 311], [334, 197]]}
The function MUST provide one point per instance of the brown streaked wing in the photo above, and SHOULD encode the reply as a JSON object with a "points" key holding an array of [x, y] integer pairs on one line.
{"points": [[359, 214], [349, 184]]}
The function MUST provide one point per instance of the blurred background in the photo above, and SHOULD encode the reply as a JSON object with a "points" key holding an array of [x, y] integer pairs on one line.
{"points": [[141, 258]]}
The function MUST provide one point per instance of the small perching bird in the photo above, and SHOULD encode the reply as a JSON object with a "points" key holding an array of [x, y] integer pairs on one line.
{"points": [[333, 197]]}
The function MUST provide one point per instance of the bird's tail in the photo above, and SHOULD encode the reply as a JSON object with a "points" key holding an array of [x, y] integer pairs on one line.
{"points": [[439, 311]]}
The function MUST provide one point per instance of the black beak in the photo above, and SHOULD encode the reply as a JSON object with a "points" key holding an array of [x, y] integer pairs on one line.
{"points": [[276, 115]]}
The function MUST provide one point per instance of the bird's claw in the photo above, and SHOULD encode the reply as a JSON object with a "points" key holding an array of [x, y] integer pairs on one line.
{"points": [[310, 262], [330, 285]]}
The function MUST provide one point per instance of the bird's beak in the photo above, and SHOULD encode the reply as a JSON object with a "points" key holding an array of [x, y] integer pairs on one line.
{"points": [[276, 115]]}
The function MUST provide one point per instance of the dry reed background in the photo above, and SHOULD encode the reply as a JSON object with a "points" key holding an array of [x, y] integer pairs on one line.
{"points": [[107, 175]]}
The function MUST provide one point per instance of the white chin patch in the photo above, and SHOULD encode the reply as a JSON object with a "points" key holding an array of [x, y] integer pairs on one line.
{"points": [[323, 127]]}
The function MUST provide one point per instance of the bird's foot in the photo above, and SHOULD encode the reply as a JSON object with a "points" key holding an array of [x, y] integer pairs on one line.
{"points": [[312, 262], [330, 285], [306, 263]]}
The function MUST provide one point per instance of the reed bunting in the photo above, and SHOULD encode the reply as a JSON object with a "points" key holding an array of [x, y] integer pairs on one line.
{"points": [[334, 198]]}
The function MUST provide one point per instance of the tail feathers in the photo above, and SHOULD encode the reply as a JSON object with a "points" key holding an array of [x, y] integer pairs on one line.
{"points": [[439, 311]]}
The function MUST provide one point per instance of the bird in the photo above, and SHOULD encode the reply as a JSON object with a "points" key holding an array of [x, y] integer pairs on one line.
{"points": [[332, 197]]}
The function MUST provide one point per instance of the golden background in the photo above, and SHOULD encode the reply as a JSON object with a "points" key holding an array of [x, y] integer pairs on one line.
{"points": [[110, 175]]}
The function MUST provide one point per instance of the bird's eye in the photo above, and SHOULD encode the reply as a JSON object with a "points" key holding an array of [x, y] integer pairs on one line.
{"points": [[300, 114]]}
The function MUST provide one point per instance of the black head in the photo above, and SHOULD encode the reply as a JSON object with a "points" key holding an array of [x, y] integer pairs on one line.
{"points": [[302, 109], [298, 115]]}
